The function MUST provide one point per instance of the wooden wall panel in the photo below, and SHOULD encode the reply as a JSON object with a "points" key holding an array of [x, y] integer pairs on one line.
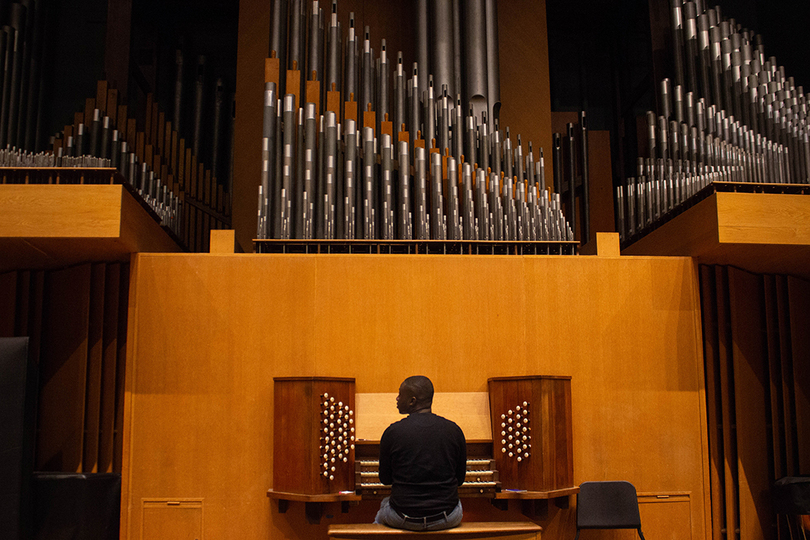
{"points": [[666, 516], [76, 326], [112, 295], [799, 292], [95, 356], [120, 368], [788, 429], [208, 333], [8, 303], [748, 328], [711, 356], [731, 506], [35, 311], [752, 321], [63, 370], [777, 416]]}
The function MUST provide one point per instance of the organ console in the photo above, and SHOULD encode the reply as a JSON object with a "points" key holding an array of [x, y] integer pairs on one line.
{"points": [[519, 441]]}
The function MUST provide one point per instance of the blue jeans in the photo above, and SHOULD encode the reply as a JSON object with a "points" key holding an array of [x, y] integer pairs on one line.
{"points": [[388, 516]]}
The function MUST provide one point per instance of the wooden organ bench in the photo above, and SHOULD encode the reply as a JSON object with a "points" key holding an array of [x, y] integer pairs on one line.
{"points": [[326, 442], [513, 530]]}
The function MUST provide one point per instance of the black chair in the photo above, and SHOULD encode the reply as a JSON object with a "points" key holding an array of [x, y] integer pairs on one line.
{"points": [[607, 505], [790, 496]]}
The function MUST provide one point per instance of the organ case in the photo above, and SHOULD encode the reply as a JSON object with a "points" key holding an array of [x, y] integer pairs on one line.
{"points": [[313, 441], [539, 409]]}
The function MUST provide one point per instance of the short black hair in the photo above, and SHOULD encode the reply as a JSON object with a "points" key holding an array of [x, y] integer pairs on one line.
{"points": [[421, 388]]}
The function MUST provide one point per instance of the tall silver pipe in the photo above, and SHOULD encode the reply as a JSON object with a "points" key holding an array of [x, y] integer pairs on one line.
{"points": [[400, 91], [456, 49], [443, 47], [333, 53], [422, 46], [199, 89], [314, 69], [350, 76], [178, 94], [278, 38], [493, 63], [475, 57], [296, 37]]}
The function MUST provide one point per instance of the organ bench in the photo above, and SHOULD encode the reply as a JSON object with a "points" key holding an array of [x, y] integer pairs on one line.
{"points": [[513, 530]]}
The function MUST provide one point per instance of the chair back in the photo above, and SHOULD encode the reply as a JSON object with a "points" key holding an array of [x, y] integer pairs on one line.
{"points": [[607, 505]]}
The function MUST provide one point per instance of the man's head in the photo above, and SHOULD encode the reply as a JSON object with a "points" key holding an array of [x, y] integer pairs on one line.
{"points": [[415, 395]]}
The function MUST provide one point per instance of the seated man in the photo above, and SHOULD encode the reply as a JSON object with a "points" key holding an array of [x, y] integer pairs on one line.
{"points": [[424, 459]]}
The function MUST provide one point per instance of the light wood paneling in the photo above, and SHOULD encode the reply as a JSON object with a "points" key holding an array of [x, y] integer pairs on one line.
{"points": [[53, 226], [208, 334], [758, 218], [666, 516], [470, 410], [690, 234], [172, 520], [63, 211], [759, 232]]}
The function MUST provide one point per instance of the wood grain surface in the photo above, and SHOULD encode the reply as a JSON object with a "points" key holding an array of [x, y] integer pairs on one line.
{"points": [[207, 335]]}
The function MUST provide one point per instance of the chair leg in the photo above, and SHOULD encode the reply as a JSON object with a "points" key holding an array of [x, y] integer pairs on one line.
{"points": [[641, 534], [577, 536]]}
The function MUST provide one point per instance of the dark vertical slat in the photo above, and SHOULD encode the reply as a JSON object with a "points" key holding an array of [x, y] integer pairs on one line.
{"points": [[799, 291], [786, 360], [35, 303], [23, 311], [63, 369], [8, 303], [564, 432], [112, 296], [120, 368], [777, 427], [724, 341], [752, 402], [714, 405], [95, 352], [777, 419]]}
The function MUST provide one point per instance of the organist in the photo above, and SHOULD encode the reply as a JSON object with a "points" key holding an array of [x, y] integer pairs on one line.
{"points": [[423, 457]]}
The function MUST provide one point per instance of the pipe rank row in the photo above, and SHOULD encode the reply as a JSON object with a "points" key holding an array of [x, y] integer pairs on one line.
{"points": [[731, 115], [456, 46], [325, 180]]}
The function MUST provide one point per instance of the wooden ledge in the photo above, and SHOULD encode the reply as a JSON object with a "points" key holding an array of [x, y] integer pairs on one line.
{"points": [[758, 232], [321, 498], [470, 529], [53, 226], [553, 494]]}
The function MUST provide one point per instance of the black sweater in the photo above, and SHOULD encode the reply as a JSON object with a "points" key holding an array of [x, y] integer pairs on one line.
{"points": [[424, 458]]}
